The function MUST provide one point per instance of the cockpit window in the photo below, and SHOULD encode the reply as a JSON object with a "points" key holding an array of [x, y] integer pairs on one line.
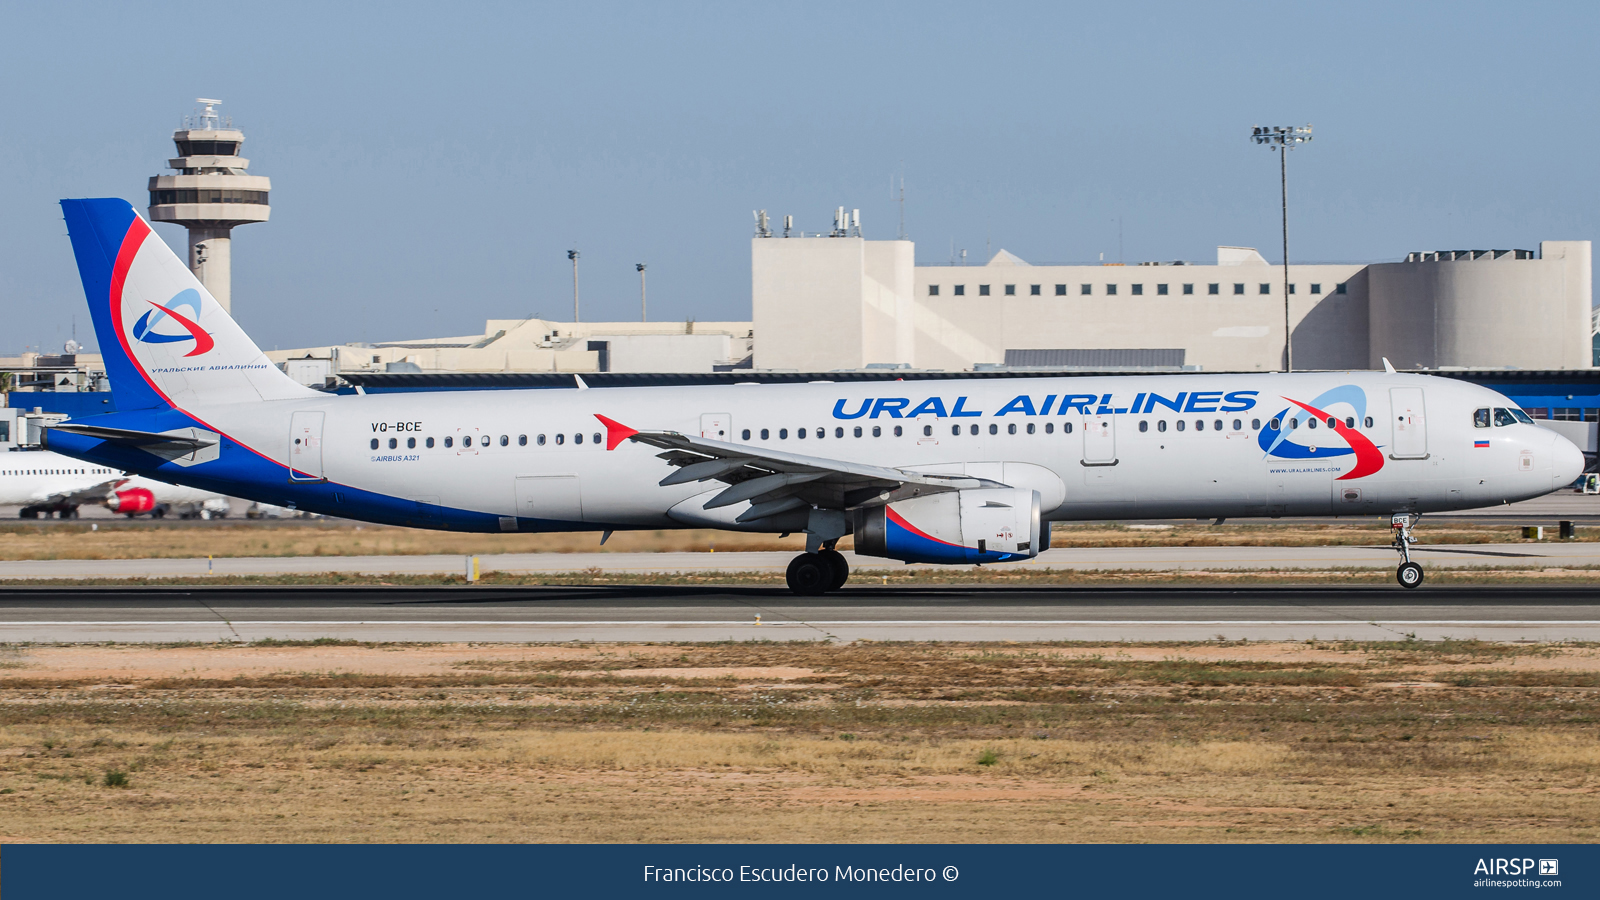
{"points": [[1480, 418], [1504, 416], [1522, 417]]}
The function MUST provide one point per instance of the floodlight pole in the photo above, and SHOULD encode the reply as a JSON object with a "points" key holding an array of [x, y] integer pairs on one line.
{"points": [[1283, 139], [644, 311], [573, 255]]}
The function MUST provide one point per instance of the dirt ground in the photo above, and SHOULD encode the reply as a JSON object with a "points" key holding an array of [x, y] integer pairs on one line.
{"points": [[121, 540], [331, 741]]}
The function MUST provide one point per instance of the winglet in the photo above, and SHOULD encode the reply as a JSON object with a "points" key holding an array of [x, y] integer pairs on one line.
{"points": [[582, 385], [616, 432], [1388, 366]]}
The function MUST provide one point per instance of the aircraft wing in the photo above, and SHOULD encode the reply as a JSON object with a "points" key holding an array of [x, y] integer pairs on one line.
{"points": [[92, 494], [775, 480]]}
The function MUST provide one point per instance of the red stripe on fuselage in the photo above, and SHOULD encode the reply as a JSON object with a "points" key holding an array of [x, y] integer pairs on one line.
{"points": [[1369, 458]]}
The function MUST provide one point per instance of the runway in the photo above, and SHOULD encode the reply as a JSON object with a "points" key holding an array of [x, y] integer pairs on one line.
{"points": [[669, 614]]}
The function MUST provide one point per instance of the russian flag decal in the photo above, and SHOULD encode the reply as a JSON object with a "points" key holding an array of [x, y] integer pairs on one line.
{"points": [[1483, 444]]}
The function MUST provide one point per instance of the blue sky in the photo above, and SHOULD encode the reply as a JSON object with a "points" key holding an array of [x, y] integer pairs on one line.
{"points": [[432, 163]]}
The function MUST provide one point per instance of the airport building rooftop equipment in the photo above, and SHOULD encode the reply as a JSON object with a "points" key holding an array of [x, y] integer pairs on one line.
{"points": [[210, 195]]}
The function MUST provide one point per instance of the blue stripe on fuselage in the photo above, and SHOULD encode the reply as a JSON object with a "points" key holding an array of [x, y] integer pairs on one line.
{"points": [[240, 472]]}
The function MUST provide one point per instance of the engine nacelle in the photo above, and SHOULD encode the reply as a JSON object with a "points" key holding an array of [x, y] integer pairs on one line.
{"points": [[977, 526], [131, 502]]}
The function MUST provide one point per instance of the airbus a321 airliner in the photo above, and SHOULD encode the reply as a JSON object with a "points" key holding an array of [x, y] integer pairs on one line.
{"points": [[944, 471]]}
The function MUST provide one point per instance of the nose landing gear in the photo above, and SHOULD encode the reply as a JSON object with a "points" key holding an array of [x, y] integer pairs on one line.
{"points": [[1409, 574]]}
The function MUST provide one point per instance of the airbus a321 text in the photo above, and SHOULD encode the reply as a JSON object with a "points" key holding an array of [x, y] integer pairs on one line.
{"points": [[945, 471]]}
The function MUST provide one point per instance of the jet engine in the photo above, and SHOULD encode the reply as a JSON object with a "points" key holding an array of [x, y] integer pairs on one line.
{"points": [[131, 502], [975, 526]]}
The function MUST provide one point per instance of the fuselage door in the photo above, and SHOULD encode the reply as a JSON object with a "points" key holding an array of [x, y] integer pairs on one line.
{"points": [[716, 426], [1099, 440], [305, 446], [1410, 424]]}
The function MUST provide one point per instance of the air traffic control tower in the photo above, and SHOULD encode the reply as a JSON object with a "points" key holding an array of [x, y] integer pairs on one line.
{"points": [[210, 195]]}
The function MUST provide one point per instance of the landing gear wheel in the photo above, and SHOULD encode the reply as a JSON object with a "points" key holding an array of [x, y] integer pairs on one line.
{"points": [[1409, 575], [809, 575], [840, 568]]}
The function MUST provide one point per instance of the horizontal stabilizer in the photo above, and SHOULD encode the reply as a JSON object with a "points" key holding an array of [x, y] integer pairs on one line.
{"points": [[137, 438]]}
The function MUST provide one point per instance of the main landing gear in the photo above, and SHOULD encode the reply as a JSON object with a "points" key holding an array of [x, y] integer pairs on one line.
{"points": [[814, 574], [1409, 574]]}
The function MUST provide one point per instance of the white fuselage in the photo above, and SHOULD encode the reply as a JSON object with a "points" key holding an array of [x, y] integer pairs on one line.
{"points": [[41, 477], [534, 454]]}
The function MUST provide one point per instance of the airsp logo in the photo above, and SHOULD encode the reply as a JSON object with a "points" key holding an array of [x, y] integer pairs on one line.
{"points": [[1500, 866]]}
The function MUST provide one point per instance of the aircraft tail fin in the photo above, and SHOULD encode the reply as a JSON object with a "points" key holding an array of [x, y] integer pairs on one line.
{"points": [[165, 340]]}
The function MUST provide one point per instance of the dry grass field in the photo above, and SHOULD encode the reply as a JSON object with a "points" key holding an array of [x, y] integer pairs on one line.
{"points": [[328, 741], [122, 540]]}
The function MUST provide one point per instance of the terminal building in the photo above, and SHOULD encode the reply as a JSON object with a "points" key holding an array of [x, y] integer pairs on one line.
{"points": [[824, 303]]}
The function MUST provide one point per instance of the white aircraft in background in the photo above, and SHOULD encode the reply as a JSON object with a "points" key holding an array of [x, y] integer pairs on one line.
{"points": [[42, 482], [948, 471]]}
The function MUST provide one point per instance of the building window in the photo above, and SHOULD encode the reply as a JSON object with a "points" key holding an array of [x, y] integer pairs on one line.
{"points": [[933, 290], [1291, 288], [1188, 289], [1061, 290], [1085, 289], [1265, 289], [1338, 288], [1011, 290], [1568, 414], [1111, 290], [1033, 290], [1161, 290], [1238, 289], [1316, 288], [983, 290], [961, 290], [1138, 290], [1213, 288]]}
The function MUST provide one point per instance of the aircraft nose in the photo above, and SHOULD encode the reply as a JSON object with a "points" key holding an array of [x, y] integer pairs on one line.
{"points": [[1567, 462]]}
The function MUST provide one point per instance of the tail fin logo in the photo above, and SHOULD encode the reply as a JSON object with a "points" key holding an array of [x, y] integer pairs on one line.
{"points": [[144, 330]]}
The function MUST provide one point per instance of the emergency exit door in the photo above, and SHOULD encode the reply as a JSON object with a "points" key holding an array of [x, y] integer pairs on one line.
{"points": [[1099, 440], [305, 446], [716, 426], [1410, 423]]}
